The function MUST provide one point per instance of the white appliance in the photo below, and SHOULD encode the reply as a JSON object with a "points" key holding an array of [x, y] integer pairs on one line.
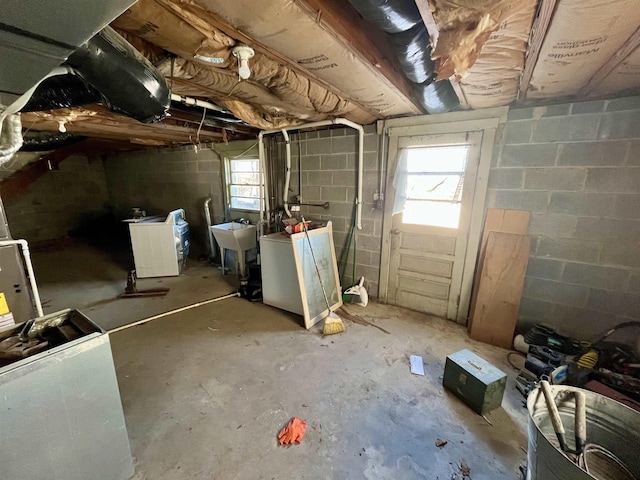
{"points": [[290, 276], [280, 285], [160, 246]]}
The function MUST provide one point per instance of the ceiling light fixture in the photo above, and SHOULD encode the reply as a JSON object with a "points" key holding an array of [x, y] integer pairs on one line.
{"points": [[243, 53]]}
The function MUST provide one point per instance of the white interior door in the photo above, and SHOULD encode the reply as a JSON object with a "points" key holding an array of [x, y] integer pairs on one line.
{"points": [[434, 182]]}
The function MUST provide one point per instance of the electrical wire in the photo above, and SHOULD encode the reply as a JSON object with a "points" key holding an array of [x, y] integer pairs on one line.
{"points": [[241, 154], [204, 113]]}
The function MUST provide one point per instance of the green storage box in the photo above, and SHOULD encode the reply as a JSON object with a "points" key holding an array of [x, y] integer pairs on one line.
{"points": [[475, 381]]}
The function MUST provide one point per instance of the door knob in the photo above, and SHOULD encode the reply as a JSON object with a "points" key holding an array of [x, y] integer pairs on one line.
{"points": [[395, 231]]}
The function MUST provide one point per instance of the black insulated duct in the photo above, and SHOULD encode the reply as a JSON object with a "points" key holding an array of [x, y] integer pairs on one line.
{"points": [[61, 91], [45, 141], [438, 96], [409, 38], [392, 16], [126, 80], [413, 49]]}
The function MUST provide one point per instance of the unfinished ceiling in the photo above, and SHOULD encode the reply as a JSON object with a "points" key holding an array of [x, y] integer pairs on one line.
{"points": [[319, 59]]}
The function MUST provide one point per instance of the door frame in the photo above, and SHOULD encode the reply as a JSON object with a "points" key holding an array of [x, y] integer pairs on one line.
{"points": [[487, 121]]}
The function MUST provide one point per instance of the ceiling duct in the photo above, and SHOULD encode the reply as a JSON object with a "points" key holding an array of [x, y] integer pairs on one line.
{"points": [[62, 91], [438, 96], [389, 15], [410, 40], [126, 80], [413, 49]]}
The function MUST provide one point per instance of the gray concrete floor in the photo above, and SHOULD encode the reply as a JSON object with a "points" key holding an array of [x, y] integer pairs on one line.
{"points": [[206, 391]]}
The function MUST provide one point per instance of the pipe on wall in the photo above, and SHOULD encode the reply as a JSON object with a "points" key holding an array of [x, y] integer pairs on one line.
{"points": [[287, 178], [32, 276], [323, 123]]}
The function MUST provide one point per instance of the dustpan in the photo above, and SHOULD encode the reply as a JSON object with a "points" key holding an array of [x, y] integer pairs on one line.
{"points": [[358, 293]]}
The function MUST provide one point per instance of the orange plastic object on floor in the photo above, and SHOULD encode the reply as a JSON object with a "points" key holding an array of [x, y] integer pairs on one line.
{"points": [[293, 432]]}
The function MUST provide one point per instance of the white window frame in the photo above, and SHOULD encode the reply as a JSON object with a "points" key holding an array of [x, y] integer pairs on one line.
{"points": [[228, 183]]}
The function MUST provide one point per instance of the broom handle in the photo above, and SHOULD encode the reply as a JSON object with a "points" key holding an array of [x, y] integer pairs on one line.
{"points": [[324, 292]]}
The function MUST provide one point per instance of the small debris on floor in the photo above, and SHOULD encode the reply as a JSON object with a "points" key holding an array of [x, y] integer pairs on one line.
{"points": [[293, 432], [441, 443], [464, 469], [417, 365]]}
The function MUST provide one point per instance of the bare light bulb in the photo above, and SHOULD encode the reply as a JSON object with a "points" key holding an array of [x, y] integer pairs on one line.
{"points": [[243, 53], [243, 69]]}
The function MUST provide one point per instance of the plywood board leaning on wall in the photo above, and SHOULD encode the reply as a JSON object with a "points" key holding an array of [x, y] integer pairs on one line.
{"points": [[495, 312], [497, 220]]}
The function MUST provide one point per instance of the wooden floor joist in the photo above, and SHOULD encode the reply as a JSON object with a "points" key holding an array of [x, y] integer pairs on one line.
{"points": [[536, 38], [630, 45], [98, 122]]}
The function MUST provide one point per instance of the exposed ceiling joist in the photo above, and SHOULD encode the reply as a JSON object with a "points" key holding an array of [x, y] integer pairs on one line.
{"points": [[429, 21], [217, 22], [630, 45], [98, 122], [538, 32]]}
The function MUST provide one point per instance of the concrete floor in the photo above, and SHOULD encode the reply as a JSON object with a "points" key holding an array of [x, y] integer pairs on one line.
{"points": [[206, 391]]}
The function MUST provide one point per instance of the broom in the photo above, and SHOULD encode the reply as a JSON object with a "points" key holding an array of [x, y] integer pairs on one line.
{"points": [[332, 323]]}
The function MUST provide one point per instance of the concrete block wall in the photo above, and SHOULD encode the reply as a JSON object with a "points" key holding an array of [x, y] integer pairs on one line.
{"points": [[60, 201], [161, 180], [329, 175], [576, 168]]}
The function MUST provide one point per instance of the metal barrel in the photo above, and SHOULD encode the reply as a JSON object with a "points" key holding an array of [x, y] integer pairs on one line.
{"points": [[610, 424]]}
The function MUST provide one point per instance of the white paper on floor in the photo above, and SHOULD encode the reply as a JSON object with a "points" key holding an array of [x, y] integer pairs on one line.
{"points": [[417, 367]]}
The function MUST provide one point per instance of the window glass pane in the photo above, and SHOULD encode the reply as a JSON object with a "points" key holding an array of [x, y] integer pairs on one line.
{"points": [[245, 191], [244, 165], [437, 159], [245, 203], [437, 214], [434, 187], [244, 188], [245, 178]]}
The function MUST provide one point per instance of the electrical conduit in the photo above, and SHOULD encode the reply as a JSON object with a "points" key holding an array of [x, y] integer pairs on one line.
{"points": [[287, 179]]}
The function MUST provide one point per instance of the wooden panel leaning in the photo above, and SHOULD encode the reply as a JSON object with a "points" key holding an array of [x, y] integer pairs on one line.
{"points": [[495, 311]]}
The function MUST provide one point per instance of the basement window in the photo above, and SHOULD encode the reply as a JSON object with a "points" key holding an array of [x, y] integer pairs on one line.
{"points": [[244, 184]]}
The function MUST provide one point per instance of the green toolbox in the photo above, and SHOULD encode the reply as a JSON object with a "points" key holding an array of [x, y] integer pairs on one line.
{"points": [[475, 381]]}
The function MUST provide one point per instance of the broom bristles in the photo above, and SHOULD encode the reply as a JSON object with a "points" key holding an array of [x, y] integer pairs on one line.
{"points": [[333, 324]]}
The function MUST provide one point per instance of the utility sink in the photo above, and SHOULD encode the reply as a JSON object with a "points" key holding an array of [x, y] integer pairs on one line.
{"points": [[235, 236]]}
